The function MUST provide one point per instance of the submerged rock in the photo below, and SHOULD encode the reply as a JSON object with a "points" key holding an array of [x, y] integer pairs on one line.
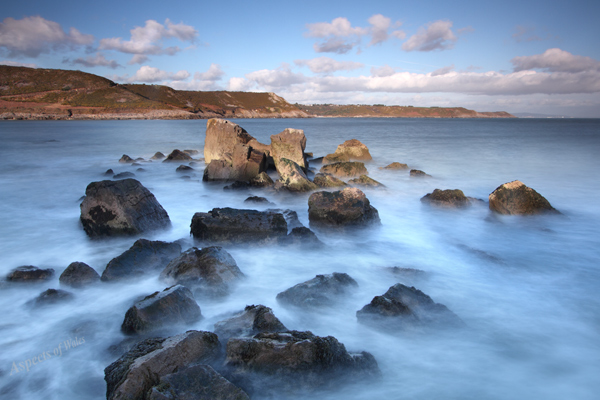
{"points": [[173, 306], [158, 156], [52, 296], [126, 159], [302, 236], [262, 180], [247, 323], [78, 274], [417, 173], [345, 169], [514, 198], [29, 273], [345, 208], [177, 155], [321, 291], [125, 207], [123, 175], [447, 198]]}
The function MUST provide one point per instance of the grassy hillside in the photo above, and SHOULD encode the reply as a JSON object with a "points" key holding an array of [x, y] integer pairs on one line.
{"points": [[361, 110]]}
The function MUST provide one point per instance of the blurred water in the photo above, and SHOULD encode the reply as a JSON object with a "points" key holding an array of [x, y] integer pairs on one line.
{"points": [[526, 287]]}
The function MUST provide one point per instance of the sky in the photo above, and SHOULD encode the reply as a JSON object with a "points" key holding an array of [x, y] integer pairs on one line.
{"points": [[524, 56]]}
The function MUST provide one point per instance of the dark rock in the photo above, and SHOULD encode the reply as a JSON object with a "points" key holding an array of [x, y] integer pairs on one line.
{"points": [[303, 237], [345, 169], [144, 257], [327, 181], [137, 371], [210, 271], [52, 296], [140, 170], [395, 166], [251, 321], [237, 185], [514, 198], [408, 273], [136, 164], [126, 159], [109, 172], [261, 180], [417, 173], [291, 217], [403, 307], [173, 306], [258, 200], [367, 181], [292, 177], [78, 274], [289, 145], [177, 155], [447, 198], [29, 273], [191, 152], [124, 207], [158, 156], [124, 175], [344, 208], [321, 291], [238, 226], [198, 382], [184, 168]]}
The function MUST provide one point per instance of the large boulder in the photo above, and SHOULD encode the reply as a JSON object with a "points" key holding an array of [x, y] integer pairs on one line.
{"points": [[209, 272], [327, 181], [321, 291], [345, 169], [345, 208], [355, 150], [253, 320], [78, 274], [144, 257], [134, 374], [198, 382], [245, 164], [450, 198], [514, 198], [125, 207], [292, 177], [221, 138], [291, 362], [29, 273], [173, 306], [232, 225], [290, 145], [403, 307]]}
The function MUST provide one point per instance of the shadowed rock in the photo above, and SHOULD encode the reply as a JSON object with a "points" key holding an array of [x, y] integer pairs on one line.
{"points": [[447, 198], [302, 236], [78, 274], [52, 296], [251, 321], [292, 177], [328, 180], [514, 198], [177, 155], [344, 208], [29, 273], [321, 291]]}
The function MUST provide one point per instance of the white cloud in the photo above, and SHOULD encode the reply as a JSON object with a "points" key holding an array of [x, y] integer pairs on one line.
{"points": [[237, 84], [202, 80], [214, 73], [379, 28], [32, 36], [271, 80], [339, 27], [384, 71], [437, 36], [328, 65], [556, 60], [138, 59], [95, 61], [17, 64], [149, 74], [443, 70]]}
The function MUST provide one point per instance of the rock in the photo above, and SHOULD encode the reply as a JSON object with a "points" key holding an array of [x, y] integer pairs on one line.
{"points": [[109, 172], [327, 181], [364, 180], [191, 152], [126, 159], [173, 306], [321, 291], [345, 169], [334, 158], [258, 200], [78, 275], [157, 156], [142, 258], [246, 164], [447, 198], [237, 185], [209, 272], [124, 175], [408, 273], [514, 198], [395, 166], [140, 170], [198, 382], [177, 155], [292, 177], [417, 173], [261, 180], [289, 145], [218, 170], [52, 296], [247, 323], [184, 168], [355, 150], [125, 207], [303, 237], [137, 371], [221, 138], [231, 225], [403, 307], [286, 362], [344, 208], [29, 273], [291, 217]]}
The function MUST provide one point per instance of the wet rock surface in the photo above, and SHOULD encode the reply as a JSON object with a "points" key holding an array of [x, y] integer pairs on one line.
{"points": [[515, 198], [348, 169], [345, 208], [29, 273], [78, 274], [253, 320], [321, 291]]}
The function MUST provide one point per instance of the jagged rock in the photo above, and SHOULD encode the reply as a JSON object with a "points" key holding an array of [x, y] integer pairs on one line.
{"points": [[364, 180], [177, 155], [198, 382], [514, 198], [173, 306], [52, 296], [221, 138], [403, 307], [334, 158], [247, 323], [245, 164], [290, 145], [137, 371], [238, 226], [345, 169], [321, 291], [395, 166], [209, 272], [184, 168], [328, 180], [142, 258], [291, 217], [295, 362], [417, 173], [78, 274], [447, 198], [262, 180], [109, 172], [292, 177], [125, 207], [29, 273], [158, 156], [124, 175], [126, 159], [303, 237], [347, 207]]}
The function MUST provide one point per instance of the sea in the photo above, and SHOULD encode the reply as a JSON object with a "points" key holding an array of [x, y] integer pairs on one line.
{"points": [[527, 288]]}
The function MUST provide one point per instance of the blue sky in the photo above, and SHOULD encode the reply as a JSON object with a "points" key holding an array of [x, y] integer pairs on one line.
{"points": [[516, 56]]}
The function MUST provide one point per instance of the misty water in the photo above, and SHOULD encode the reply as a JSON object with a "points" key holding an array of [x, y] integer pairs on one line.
{"points": [[526, 287]]}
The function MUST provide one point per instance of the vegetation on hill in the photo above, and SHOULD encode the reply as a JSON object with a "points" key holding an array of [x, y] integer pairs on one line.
{"points": [[379, 110]]}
